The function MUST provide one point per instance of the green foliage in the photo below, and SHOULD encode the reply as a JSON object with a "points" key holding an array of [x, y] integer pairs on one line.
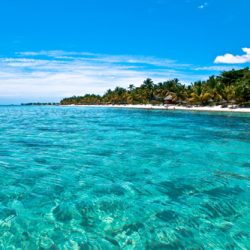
{"points": [[229, 87]]}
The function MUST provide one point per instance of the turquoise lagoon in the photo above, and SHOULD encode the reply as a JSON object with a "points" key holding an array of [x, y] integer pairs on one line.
{"points": [[106, 178]]}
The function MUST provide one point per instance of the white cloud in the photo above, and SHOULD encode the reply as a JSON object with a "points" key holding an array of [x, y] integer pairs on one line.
{"points": [[58, 54], [202, 6], [217, 68], [237, 59], [52, 75], [57, 74]]}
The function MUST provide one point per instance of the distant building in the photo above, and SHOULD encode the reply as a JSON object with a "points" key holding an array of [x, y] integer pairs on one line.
{"points": [[168, 99]]}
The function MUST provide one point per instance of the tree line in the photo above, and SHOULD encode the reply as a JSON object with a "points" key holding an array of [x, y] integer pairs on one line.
{"points": [[229, 87], [40, 104]]}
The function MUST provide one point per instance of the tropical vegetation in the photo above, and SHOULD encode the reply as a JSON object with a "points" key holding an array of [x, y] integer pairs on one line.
{"points": [[229, 87]]}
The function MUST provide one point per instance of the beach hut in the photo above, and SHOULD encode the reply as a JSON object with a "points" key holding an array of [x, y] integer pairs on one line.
{"points": [[210, 101], [168, 99], [223, 103]]}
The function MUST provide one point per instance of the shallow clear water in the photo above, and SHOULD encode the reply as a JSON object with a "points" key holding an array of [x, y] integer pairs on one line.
{"points": [[103, 178]]}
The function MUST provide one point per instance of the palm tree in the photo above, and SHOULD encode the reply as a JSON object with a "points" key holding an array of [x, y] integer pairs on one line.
{"points": [[229, 86], [131, 87], [200, 93], [147, 90]]}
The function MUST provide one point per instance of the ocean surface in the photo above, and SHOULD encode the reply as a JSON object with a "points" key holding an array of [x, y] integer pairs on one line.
{"points": [[106, 178]]}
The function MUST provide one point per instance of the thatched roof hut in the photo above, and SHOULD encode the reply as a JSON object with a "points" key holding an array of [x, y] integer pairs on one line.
{"points": [[168, 99]]}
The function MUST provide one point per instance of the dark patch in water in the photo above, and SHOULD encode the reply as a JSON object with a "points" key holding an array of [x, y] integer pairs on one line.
{"points": [[86, 222], [110, 206], [113, 241], [142, 191], [193, 221], [25, 236], [62, 213], [40, 160], [85, 207], [127, 129], [59, 130], [113, 189], [87, 211], [223, 191], [147, 171], [84, 246], [241, 235], [89, 220], [59, 189], [175, 190], [219, 209], [4, 153], [104, 153], [46, 129], [233, 175], [184, 232], [245, 165], [131, 228], [167, 215], [37, 144]]}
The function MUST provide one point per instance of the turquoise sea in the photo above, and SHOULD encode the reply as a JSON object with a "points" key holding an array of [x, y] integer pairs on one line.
{"points": [[106, 178]]}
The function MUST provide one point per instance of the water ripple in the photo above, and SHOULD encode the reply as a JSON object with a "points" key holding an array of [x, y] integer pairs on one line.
{"points": [[99, 178]]}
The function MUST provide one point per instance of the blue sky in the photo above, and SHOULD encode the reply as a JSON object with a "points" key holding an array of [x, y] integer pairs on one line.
{"points": [[52, 49]]}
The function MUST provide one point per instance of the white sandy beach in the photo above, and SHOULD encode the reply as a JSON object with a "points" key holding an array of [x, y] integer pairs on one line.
{"points": [[173, 107]]}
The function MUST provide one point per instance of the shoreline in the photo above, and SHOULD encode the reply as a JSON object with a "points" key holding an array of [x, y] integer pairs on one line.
{"points": [[169, 107]]}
